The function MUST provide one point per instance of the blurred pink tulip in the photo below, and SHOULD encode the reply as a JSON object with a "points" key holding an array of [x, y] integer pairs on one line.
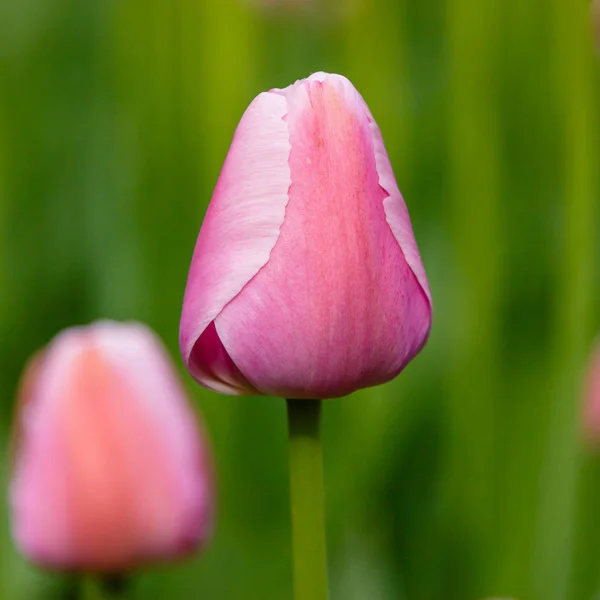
{"points": [[591, 411], [110, 467], [306, 280]]}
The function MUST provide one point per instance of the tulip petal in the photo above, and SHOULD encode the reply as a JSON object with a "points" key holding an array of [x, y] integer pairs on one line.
{"points": [[240, 230], [219, 373], [395, 208], [145, 368], [337, 306]]}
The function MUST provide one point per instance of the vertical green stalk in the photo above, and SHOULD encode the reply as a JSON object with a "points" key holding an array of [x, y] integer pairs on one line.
{"points": [[71, 591], [575, 274], [307, 500], [100, 588], [476, 299]]}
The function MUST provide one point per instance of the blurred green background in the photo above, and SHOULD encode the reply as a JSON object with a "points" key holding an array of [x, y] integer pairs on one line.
{"points": [[464, 478]]}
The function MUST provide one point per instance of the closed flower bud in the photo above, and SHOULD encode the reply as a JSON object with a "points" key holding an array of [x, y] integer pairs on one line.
{"points": [[110, 467], [591, 400], [306, 280]]}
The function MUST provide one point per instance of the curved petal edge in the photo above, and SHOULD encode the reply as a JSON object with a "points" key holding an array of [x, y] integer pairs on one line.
{"points": [[396, 211], [240, 229]]}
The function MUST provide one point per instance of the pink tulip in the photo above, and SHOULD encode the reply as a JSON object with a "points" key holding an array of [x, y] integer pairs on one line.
{"points": [[306, 280], [110, 468], [591, 409]]}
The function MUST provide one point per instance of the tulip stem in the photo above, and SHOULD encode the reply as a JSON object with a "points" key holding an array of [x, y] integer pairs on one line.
{"points": [[114, 585], [307, 500], [73, 589], [104, 586]]}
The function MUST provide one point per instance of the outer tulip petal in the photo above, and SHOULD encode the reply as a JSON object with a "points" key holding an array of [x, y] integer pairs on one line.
{"points": [[395, 209], [338, 306], [219, 373], [40, 528], [145, 367], [110, 445], [240, 229], [591, 407]]}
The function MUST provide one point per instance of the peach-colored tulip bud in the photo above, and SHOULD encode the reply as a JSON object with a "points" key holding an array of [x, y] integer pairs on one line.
{"points": [[591, 407], [110, 468]]}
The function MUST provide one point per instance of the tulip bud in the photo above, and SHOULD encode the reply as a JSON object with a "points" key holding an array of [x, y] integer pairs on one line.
{"points": [[306, 280], [110, 468], [591, 405]]}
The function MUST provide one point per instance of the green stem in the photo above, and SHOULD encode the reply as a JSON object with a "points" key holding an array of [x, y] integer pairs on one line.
{"points": [[103, 587], [73, 589], [307, 498], [114, 585]]}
